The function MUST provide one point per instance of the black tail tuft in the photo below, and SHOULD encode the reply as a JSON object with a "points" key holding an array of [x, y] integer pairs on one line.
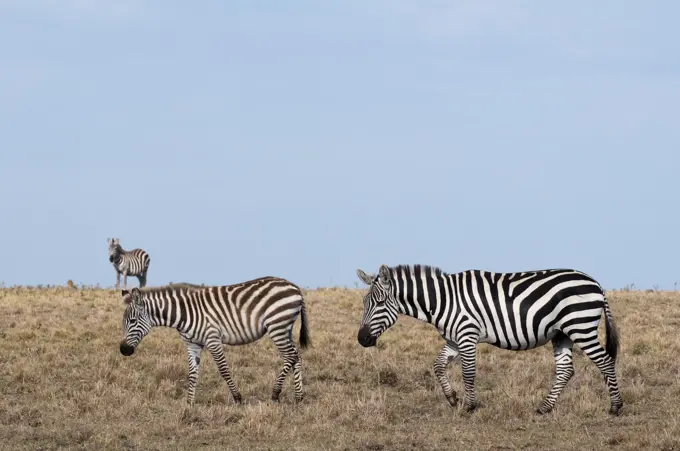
{"points": [[612, 332], [304, 328]]}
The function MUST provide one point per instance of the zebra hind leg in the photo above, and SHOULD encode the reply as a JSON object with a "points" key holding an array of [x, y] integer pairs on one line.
{"points": [[564, 370], [590, 345], [283, 340]]}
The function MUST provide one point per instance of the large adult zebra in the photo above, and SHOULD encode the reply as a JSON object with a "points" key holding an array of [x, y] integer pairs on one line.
{"points": [[129, 263], [515, 311], [210, 316]]}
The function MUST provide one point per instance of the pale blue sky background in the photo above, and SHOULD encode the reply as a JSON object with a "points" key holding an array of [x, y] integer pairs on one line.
{"points": [[305, 139]]}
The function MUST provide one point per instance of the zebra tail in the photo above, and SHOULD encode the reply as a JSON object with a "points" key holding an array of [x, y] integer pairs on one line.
{"points": [[304, 328], [612, 332]]}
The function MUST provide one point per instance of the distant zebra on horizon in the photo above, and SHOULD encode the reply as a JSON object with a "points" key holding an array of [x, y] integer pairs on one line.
{"points": [[207, 317], [514, 311], [134, 262]]}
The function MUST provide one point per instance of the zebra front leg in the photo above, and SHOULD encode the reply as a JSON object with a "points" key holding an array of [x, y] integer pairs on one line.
{"points": [[125, 280], [468, 359], [564, 370], [194, 354], [448, 354], [283, 340], [117, 279], [214, 346]]}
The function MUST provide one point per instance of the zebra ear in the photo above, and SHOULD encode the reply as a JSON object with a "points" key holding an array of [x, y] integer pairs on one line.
{"points": [[365, 278], [384, 274], [126, 298], [136, 296]]}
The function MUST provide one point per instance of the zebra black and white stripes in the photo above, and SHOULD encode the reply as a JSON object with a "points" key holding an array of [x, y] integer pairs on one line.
{"points": [[128, 263], [207, 317], [514, 311]]}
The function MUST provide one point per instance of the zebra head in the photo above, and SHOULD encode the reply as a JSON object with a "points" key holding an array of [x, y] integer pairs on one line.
{"points": [[380, 306], [114, 248], [136, 321]]}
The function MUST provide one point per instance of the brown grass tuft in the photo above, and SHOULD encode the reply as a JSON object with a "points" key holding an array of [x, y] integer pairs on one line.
{"points": [[63, 383]]}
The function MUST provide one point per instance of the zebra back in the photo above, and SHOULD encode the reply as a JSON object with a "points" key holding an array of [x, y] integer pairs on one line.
{"points": [[242, 311]]}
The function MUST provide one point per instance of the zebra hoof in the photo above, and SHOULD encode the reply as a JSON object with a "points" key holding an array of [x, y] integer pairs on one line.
{"points": [[299, 399], [543, 410], [615, 410], [453, 400], [275, 397], [469, 408], [238, 399]]}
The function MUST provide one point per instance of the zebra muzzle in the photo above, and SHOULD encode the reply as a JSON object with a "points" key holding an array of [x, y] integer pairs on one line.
{"points": [[126, 349], [365, 338]]}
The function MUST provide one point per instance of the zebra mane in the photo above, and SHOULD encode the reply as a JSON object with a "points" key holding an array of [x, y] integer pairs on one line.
{"points": [[184, 285], [410, 269], [170, 287]]}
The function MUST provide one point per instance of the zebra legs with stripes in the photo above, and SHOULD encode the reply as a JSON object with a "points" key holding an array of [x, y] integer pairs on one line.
{"points": [[134, 262], [207, 317], [513, 311]]}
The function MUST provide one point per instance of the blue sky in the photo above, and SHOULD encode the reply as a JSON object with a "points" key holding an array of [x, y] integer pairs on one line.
{"points": [[304, 139]]}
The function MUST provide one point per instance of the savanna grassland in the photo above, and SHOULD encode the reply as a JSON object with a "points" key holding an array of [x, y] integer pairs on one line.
{"points": [[64, 384]]}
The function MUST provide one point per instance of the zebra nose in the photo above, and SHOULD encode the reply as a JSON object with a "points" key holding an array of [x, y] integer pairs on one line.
{"points": [[110, 258], [126, 349], [365, 338]]}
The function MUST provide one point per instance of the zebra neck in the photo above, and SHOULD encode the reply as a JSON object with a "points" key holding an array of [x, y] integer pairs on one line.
{"points": [[421, 300], [165, 311], [413, 305]]}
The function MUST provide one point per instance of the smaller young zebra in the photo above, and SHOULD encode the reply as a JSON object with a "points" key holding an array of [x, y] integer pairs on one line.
{"points": [[134, 263], [207, 317]]}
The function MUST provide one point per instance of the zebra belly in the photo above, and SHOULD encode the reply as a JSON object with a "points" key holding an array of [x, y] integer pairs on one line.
{"points": [[242, 337], [517, 344], [544, 339]]}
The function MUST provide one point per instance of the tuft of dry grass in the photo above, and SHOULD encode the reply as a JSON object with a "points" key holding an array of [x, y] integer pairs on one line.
{"points": [[64, 383]]}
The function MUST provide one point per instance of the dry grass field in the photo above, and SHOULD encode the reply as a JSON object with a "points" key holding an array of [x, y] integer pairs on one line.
{"points": [[64, 384]]}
